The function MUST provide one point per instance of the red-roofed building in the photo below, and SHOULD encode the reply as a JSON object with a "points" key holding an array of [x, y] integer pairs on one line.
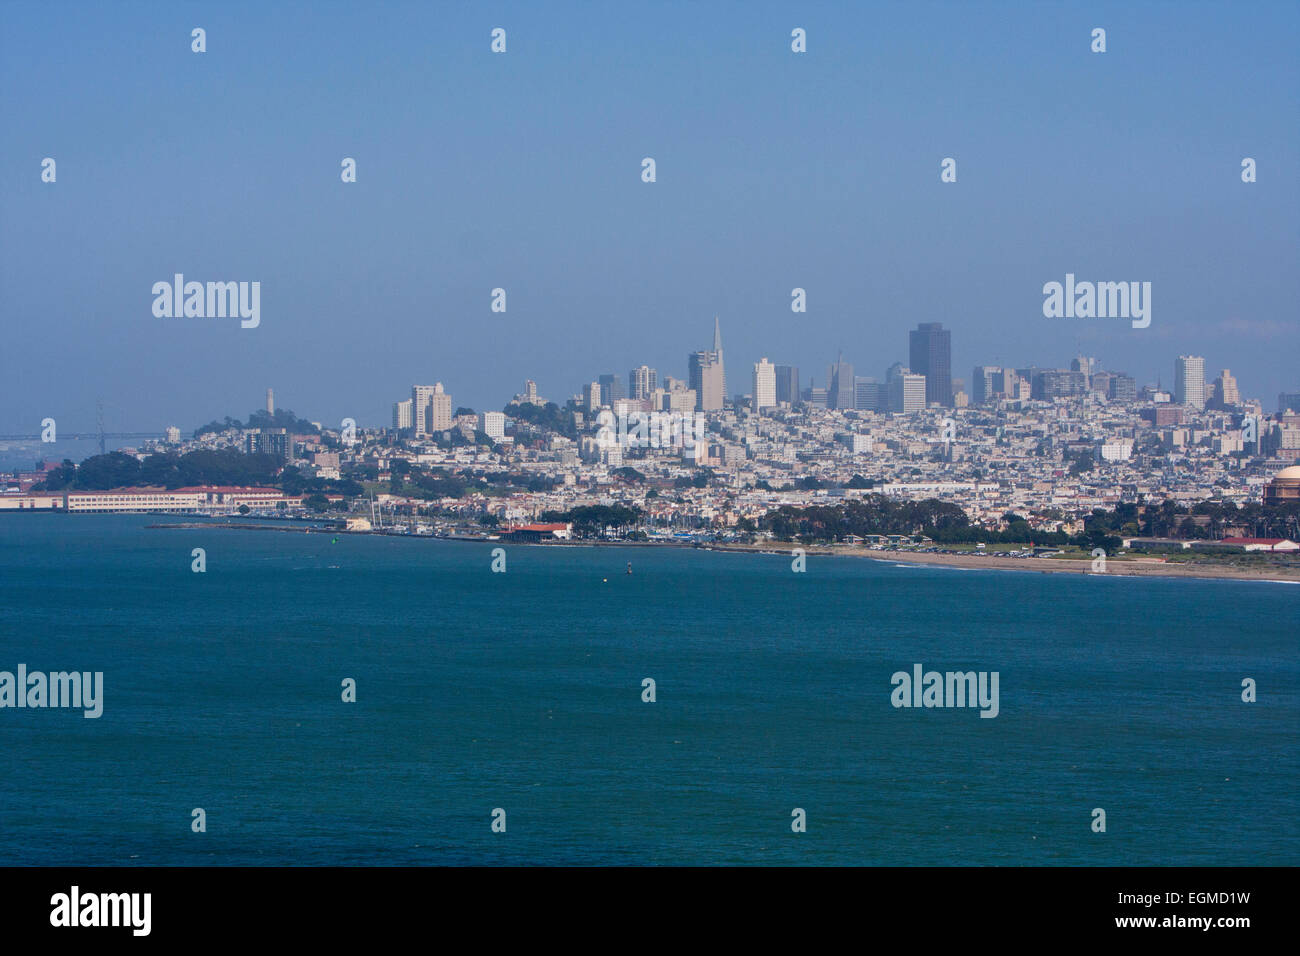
{"points": [[538, 532]]}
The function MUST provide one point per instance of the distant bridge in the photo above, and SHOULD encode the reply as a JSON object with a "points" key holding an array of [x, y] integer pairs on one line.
{"points": [[84, 436]]}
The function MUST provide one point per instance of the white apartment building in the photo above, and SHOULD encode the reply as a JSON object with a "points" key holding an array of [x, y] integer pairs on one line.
{"points": [[1189, 381], [492, 424], [764, 384]]}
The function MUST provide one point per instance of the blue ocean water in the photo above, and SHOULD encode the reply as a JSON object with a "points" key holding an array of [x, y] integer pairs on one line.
{"points": [[522, 690]]}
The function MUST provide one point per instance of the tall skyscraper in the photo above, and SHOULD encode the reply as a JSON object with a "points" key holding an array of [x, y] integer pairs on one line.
{"points": [[430, 409], [907, 393], [1086, 365], [439, 409], [869, 395], [591, 396], [839, 384], [982, 382], [930, 354], [420, 396], [787, 384], [641, 382], [1189, 381], [402, 414], [717, 351], [1122, 388], [764, 384], [611, 389], [1225, 394], [707, 375], [706, 381], [1008, 382]]}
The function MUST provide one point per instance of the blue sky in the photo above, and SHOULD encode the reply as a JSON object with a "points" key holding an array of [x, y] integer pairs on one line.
{"points": [[522, 170]]}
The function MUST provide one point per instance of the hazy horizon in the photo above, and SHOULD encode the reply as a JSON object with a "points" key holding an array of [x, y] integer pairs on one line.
{"points": [[522, 170]]}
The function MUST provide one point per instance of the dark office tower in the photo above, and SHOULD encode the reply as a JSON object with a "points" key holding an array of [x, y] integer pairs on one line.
{"points": [[869, 395], [787, 384], [981, 383], [1054, 383], [839, 388], [611, 389], [930, 354], [1122, 388]]}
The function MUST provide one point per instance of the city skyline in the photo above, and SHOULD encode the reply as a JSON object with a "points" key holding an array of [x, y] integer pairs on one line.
{"points": [[615, 385]]}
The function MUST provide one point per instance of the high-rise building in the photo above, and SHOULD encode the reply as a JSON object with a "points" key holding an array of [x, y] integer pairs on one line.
{"points": [[787, 384], [983, 381], [907, 393], [1009, 385], [706, 379], [1288, 401], [814, 396], [930, 354], [1224, 393], [1086, 365], [591, 396], [1122, 388], [641, 382], [439, 409], [707, 375], [839, 387], [1189, 381], [492, 424], [530, 392], [402, 414], [276, 442], [717, 353], [611, 389], [1052, 383], [420, 399], [869, 395], [270, 401], [764, 384]]}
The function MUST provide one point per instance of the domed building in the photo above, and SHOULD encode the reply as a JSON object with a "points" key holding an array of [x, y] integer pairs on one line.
{"points": [[1284, 487]]}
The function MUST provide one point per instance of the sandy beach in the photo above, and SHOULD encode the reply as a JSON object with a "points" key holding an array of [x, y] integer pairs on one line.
{"points": [[1133, 566]]}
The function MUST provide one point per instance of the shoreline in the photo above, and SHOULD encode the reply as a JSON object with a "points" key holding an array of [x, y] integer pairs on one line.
{"points": [[1121, 567]]}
